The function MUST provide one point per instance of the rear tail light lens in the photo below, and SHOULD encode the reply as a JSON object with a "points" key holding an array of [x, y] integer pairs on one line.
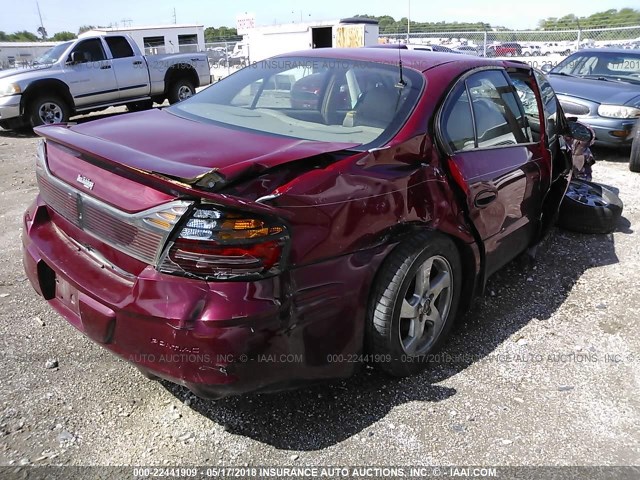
{"points": [[218, 245]]}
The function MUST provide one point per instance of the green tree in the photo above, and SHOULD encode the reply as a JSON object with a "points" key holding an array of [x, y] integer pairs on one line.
{"points": [[23, 36], [85, 28], [607, 19], [220, 34], [63, 36]]}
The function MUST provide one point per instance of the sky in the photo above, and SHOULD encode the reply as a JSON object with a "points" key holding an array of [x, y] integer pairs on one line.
{"points": [[59, 15]]}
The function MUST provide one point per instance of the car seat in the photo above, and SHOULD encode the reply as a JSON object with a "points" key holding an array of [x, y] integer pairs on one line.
{"points": [[377, 107]]}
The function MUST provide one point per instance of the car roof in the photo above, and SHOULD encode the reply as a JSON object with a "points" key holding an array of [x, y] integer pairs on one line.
{"points": [[608, 50], [420, 60]]}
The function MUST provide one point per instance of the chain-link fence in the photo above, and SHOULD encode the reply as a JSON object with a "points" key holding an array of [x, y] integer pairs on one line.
{"points": [[550, 45], [226, 57]]}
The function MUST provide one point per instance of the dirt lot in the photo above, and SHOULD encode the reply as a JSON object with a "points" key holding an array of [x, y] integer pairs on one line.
{"points": [[545, 370]]}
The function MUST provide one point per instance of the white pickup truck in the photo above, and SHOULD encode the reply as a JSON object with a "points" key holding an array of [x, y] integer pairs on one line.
{"points": [[93, 73]]}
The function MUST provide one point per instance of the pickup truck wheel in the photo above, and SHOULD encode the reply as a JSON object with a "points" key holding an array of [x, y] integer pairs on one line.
{"points": [[634, 158], [413, 303], [180, 90], [46, 110], [589, 208]]}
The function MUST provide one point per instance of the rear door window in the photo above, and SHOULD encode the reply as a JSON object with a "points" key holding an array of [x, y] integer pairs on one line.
{"points": [[484, 111], [457, 121], [499, 119], [525, 86], [119, 47], [549, 105]]}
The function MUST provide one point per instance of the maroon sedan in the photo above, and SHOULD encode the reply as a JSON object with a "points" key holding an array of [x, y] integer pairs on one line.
{"points": [[241, 241]]}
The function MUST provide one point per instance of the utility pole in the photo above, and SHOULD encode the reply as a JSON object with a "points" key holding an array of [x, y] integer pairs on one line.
{"points": [[175, 18], [301, 16], [44, 34]]}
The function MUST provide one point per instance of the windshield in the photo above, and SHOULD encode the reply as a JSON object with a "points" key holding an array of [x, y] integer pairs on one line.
{"points": [[329, 100], [52, 55], [603, 65]]}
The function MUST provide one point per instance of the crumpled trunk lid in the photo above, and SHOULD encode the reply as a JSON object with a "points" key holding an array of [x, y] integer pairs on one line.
{"points": [[184, 150]]}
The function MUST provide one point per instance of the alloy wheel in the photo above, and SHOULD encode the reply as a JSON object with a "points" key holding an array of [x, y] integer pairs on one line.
{"points": [[184, 92], [426, 306], [586, 194], [50, 113]]}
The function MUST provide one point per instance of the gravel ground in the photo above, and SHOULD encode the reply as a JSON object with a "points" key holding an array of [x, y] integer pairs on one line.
{"points": [[542, 371]]}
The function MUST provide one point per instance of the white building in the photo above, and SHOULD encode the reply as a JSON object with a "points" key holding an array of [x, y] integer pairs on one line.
{"points": [[263, 42], [159, 39], [15, 54]]}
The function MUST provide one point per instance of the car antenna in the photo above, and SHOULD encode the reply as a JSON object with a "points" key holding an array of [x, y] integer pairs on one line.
{"points": [[401, 83]]}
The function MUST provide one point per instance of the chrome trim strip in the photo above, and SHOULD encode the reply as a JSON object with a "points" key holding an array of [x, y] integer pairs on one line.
{"points": [[99, 258], [135, 220]]}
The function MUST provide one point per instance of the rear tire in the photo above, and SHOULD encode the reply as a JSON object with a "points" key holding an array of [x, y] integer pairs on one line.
{"points": [[48, 110], [634, 158], [180, 90], [413, 303], [589, 208]]}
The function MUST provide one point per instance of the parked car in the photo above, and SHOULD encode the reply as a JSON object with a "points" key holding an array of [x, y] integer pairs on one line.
{"points": [[469, 50], [234, 59], [418, 46], [601, 87], [216, 54], [233, 242], [93, 73], [531, 51], [509, 49], [558, 48]]}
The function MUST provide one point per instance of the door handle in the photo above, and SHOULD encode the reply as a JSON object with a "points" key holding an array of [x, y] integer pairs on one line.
{"points": [[484, 198], [137, 62], [105, 67]]}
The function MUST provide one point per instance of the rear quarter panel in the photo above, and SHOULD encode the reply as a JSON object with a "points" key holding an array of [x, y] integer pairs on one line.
{"points": [[159, 64]]}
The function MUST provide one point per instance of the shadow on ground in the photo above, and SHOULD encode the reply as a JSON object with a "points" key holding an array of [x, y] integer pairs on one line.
{"points": [[323, 415], [20, 133], [617, 155]]}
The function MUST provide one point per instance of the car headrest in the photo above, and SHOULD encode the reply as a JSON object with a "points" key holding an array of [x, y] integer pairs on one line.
{"points": [[377, 107]]}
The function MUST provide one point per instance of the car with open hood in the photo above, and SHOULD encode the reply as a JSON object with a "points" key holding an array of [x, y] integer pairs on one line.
{"points": [[247, 239]]}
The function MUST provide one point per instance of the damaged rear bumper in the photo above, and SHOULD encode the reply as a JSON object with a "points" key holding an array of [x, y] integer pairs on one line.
{"points": [[215, 338]]}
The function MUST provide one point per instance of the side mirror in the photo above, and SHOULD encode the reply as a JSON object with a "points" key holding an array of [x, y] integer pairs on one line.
{"points": [[546, 68], [580, 132], [76, 58]]}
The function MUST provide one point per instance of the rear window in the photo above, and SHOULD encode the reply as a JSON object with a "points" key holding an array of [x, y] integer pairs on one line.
{"points": [[321, 99]]}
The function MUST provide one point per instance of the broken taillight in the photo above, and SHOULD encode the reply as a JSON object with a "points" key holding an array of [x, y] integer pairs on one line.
{"points": [[215, 244]]}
